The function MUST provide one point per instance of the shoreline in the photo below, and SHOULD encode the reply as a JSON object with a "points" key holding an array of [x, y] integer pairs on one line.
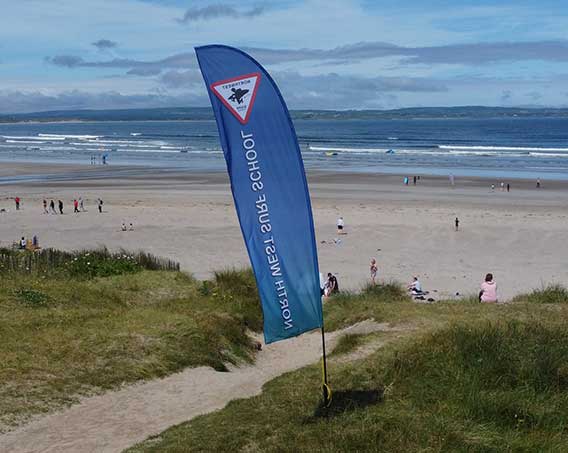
{"points": [[42, 172]]}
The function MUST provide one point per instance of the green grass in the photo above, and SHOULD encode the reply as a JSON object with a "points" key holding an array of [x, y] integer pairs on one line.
{"points": [[465, 377], [469, 377], [551, 294], [373, 302], [62, 337], [348, 343], [469, 387]]}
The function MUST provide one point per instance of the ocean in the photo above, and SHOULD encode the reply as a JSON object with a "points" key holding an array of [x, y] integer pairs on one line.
{"points": [[504, 148]]}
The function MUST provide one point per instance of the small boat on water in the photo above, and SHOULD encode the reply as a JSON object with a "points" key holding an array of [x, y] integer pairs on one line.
{"points": [[330, 153], [390, 151]]}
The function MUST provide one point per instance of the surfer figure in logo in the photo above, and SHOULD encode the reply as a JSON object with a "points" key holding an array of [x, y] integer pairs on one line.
{"points": [[238, 95]]}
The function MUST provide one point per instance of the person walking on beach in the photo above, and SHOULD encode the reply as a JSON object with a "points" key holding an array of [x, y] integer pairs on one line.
{"points": [[414, 180], [17, 200], [406, 180], [340, 226], [452, 180], [538, 183], [75, 205], [457, 223], [508, 187], [60, 204], [52, 207], [45, 211], [488, 293], [100, 204], [373, 268], [81, 204]]}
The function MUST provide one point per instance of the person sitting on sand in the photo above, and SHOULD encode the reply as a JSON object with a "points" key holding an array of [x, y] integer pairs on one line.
{"points": [[131, 227], [23, 243], [488, 293], [340, 225], [123, 226], [373, 270], [331, 285], [415, 287]]}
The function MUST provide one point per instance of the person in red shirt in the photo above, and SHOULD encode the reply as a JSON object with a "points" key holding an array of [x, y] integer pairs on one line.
{"points": [[17, 200], [75, 206]]}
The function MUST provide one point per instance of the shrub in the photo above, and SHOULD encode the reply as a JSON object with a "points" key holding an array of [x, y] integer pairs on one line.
{"points": [[85, 264], [31, 297], [387, 292]]}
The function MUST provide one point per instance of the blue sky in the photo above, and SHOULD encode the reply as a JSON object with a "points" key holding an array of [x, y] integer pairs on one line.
{"points": [[331, 54]]}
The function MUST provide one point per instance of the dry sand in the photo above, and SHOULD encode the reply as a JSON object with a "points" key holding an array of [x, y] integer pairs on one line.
{"points": [[521, 236], [117, 420]]}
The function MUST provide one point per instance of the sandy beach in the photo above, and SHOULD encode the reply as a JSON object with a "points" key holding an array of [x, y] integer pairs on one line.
{"points": [[521, 236]]}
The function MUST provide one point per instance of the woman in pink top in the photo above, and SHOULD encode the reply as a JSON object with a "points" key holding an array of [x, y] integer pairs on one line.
{"points": [[488, 291]]}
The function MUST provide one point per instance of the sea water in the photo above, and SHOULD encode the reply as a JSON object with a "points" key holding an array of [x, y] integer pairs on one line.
{"points": [[512, 147]]}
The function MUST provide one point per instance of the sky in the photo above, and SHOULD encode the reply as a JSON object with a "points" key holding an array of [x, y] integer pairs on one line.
{"points": [[324, 54]]}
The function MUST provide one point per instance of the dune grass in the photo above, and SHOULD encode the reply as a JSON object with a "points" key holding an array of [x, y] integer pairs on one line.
{"points": [[470, 377], [551, 294], [481, 387], [63, 337]]}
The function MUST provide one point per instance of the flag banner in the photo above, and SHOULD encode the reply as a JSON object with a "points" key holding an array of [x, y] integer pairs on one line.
{"points": [[269, 188]]}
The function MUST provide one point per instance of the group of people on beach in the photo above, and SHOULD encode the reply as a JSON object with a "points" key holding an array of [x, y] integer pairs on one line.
{"points": [[503, 187], [52, 209], [28, 244], [58, 208], [488, 290], [78, 206], [406, 180]]}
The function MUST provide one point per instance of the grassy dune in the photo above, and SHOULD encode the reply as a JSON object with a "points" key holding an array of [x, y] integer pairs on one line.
{"points": [[463, 376], [63, 335], [470, 378]]}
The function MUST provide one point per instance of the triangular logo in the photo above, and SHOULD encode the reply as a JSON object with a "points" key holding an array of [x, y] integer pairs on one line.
{"points": [[238, 94]]}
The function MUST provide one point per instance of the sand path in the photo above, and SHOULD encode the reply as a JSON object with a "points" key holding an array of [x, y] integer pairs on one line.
{"points": [[117, 420]]}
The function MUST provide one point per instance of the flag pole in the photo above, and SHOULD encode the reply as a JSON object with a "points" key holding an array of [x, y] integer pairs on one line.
{"points": [[325, 386]]}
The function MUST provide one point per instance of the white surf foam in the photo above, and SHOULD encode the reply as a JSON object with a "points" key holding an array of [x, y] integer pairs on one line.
{"points": [[34, 142], [348, 150], [500, 148], [549, 154], [28, 137], [64, 136]]}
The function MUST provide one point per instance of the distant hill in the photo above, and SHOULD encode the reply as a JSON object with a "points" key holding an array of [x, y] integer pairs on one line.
{"points": [[205, 113]]}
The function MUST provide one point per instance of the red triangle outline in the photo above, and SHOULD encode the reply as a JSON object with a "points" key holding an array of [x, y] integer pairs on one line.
{"points": [[229, 106]]}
